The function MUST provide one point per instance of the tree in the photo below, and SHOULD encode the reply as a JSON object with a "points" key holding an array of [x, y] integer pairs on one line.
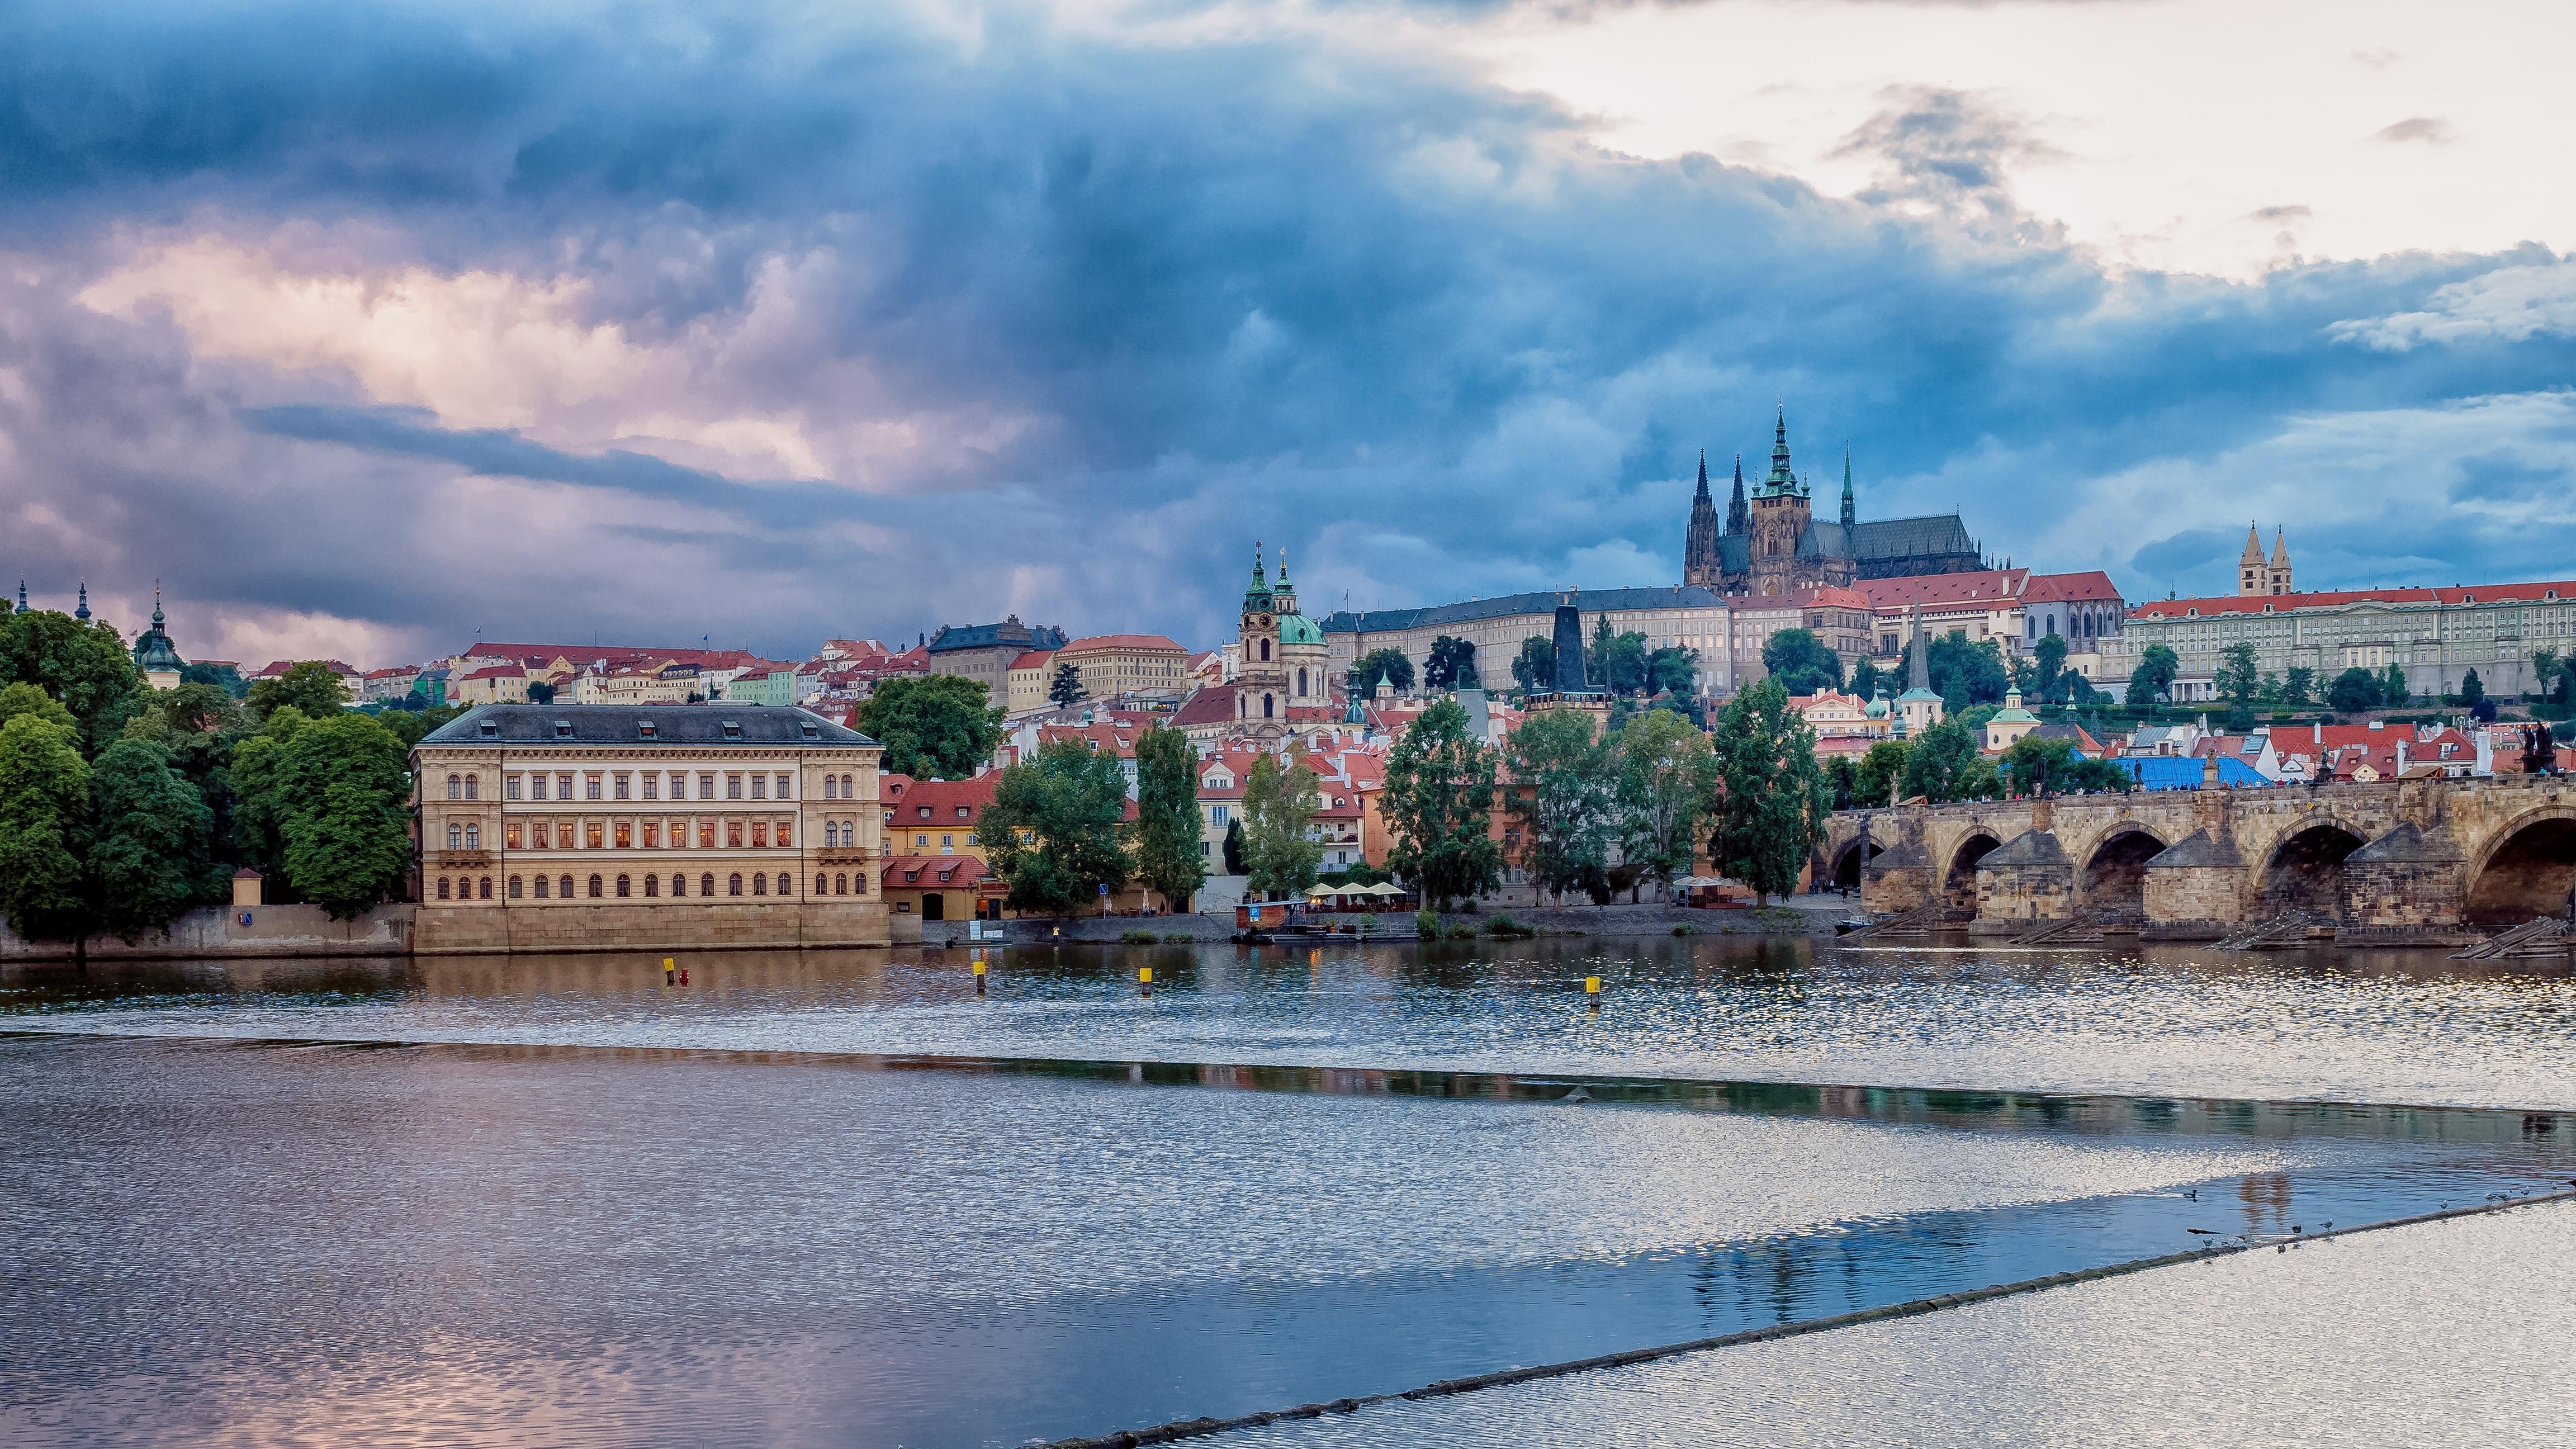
{"points": [[1616, 663], [1563, 791], [1534, 668], [222, 676], [308, 685], [932, 725], [1674, 670], [2036, 766], [2240, 675], [1234, 864], [1452, 664], [2354, 690], [1866, 679], [44, 826], [410, 725], [1772, 799], [1945, 764], [1390, 665], [2392, 689], [1280, 850], [2550, 673], [2298, 685], [2484, 711], [540, 692], [2154, 675], [1065, 686], [1842, 775], [149, 856], [1966, 672], [18, 699], [1438, 801], [2472, 688], [2049, 657], [1882, 770], [1052, 829], [1667, 775], [1801, 662], [1169, 856], [322, 803], [84, 665]]}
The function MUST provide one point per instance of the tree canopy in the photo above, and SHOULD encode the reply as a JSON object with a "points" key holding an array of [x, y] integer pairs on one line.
{"points": [[1439, 792], [1390, 665], [1945, 763], [1168, 856], [323, 802], [1534, 668], [1280, 853], [1065, 685], [2354, 690], [1451, 665], [1562, 793], [1801, 662], [1615, 663], [1070, 801], [2035, 766], [1772, 799], [311, 687], [932, 725], [44, 827], [2154, 675], [1667, 776]]}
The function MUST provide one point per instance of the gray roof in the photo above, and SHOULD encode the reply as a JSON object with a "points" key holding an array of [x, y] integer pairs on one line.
{"points": [[1009, 634], [1381, 621], [1824, 539], [1936, 533], [720, 723]]}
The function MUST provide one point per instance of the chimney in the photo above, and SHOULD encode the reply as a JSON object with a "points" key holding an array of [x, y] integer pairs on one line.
{"points": [[2320, 728], [2401, 757]]}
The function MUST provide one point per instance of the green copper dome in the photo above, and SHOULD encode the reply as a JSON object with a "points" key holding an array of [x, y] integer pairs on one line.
{"points": [[1298, 629]]}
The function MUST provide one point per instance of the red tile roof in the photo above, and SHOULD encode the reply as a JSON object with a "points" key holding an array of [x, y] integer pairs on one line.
{"points": [[1992, 586], [919, 872], [2090, 587], [2256, 603], [1033, 658], [1213, 704], [1121, 641]]}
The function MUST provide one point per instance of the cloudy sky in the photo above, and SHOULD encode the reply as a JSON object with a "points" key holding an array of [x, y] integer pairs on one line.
{"points": [[366, 327]]}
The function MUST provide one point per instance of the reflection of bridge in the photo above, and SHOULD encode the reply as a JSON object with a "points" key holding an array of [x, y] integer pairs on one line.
{"points": [[2402, 862]]}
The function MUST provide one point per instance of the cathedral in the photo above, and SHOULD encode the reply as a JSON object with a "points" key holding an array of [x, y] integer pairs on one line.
{"points": [[1771, 542]]}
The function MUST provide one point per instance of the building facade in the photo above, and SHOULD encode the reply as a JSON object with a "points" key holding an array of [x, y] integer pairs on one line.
{"points": [[1112, 665], [1287, 669], [1686, 617], [985, 652], [2436, 636], [1771, 542], [2255, 576], [601, 827]]}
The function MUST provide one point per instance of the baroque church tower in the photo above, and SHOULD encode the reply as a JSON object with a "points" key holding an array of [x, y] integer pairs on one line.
{"points": [[1261, 681]]}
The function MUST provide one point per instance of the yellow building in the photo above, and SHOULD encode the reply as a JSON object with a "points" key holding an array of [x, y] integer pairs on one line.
{"points": [[1030, 676], [491, 684], [1114, 664]]}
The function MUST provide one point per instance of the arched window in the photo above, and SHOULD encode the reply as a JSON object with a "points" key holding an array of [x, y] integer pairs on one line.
{"points": [[1265, 649], [596, 891], [759, 883], [859, 884], [473, 837], [623, 890], [819, 888], [456, 837], [442, 888], [1265, 706], [514, 886], [541, 887], [564, 888], [840, 884], [652, 886], [1301, 681], [707, 884], [484, 888], [848, 793], [470, 785], [831, 787], [786, 887], [455, 788], [679, 885], [733, 885]]}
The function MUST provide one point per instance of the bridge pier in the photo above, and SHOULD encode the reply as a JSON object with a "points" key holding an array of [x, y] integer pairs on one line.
{"points": [[2027, 880], [2196, 887], [2406, 888]]}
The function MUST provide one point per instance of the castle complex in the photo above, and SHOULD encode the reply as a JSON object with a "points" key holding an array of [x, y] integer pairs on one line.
{"points": [[1771, 542]]}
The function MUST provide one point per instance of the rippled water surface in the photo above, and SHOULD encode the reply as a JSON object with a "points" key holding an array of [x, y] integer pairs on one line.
{"points": [[2363, 1026]]}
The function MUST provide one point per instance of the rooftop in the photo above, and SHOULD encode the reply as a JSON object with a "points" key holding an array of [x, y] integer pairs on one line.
{"points": [[628, 724], [1505, 606], [2534, 593], [1121, 641]]}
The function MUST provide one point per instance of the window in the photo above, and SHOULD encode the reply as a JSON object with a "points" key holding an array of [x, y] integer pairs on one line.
{"points": [[590, 787], [652, 886], [473, 837], [679, 885], [921, 842], [456, 837], [707, 836], [510, 788], [783, 781], [625, 835], [760, 835], [786, 887], [707, 884], [759, 884], [514, 886], [948, 842], [472, 784], [840, 884], [622, 891], [786, 834], [848, 793], [733, 787], [653, 834], [537, 787], [922, 810], [596, 891], [1265, 649], [819, 887], [831, 787], [442, 888], [595, 834], [973, 839], [455, 788], [733, 834], [859, 883], [733, 885], [706, 787], [962, 813], [679, 788], [644, 731], [541, 886], [563, 787], [565, 887], [563, 835], [621, 787], [760, 787]]}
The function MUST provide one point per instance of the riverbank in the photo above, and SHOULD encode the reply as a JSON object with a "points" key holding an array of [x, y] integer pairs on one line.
{"points": [[1797, 916]]}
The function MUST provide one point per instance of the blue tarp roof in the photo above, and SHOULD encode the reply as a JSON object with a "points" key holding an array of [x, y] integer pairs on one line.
{"points": [[2181, 772]]}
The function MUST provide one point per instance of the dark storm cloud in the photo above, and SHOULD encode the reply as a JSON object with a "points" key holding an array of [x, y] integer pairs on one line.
{"points": [[2186, 552], [1410, 325]]}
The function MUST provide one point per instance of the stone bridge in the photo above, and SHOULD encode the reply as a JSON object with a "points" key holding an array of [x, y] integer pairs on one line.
{"points": [[2413, 862]]}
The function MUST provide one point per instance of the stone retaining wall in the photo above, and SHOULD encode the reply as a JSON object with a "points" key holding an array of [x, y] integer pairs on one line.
{"points": [[225, 933], [479, 928]]}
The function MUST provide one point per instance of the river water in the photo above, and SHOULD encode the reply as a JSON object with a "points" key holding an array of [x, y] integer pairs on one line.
{"points": [[841, 1199]]}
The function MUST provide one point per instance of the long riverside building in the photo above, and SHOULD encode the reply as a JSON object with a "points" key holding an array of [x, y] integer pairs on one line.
{"points": [[2436, 635], [1684, 616], [672, 827]]}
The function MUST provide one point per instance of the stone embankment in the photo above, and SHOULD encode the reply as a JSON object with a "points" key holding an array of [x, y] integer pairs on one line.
{"points": [[1803, 916]]}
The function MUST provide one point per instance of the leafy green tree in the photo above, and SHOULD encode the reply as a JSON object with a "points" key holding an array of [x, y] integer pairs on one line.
{"points": [[1438, 801], [1065, 687], [1882, 769], [1616, 662], [324, 804], [44, 827], [1801, 662], [2154, 675], [932, 725], [539, 692], [84, 665], [2550, 673], [1673, 670], [1772, 798], [1966, 672], [2048, 656], [2472, 688], [1534, 668], [411, 725], [2240, 676], [309, 686], [1842, 776], [1866, 678], [2392, 688], [1168, 858], [1563, 791], [2035, 766], [2298, 685], [18, 699], [1070, 801], [222, 676], [1279, 844], [1451, 665], [1234, 863], [1390, 665], [1667, 777], [1944, 764], [149, 855], [2354, 690]]}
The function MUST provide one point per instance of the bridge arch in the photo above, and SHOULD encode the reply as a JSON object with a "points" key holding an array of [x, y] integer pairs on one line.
{"points": [[2526, 869], [2114, 878], [1959, 882], [2304, 871], [1847, 862]]}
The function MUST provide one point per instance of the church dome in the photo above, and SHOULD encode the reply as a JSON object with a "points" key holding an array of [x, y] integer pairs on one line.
{"points": [[1877, 707], [1298, 629]]}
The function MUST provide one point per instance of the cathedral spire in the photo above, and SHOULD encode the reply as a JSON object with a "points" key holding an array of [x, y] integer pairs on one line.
{"points": [[1851, 515], [1739, 518], [82, 612], [1780, 479], [1918, 670], [1702, 495]]}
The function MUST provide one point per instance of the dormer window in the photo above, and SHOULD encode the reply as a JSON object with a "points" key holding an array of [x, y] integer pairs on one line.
{"points": [[489, 729], [732, 729], [563, 729], [644, 729], [810, 732]]}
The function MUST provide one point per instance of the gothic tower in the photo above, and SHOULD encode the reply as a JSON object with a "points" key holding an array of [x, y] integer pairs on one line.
{"points": [[1780, 514], [1701, 564], [2251, 575], [1851, 514], [1738, 519]]}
